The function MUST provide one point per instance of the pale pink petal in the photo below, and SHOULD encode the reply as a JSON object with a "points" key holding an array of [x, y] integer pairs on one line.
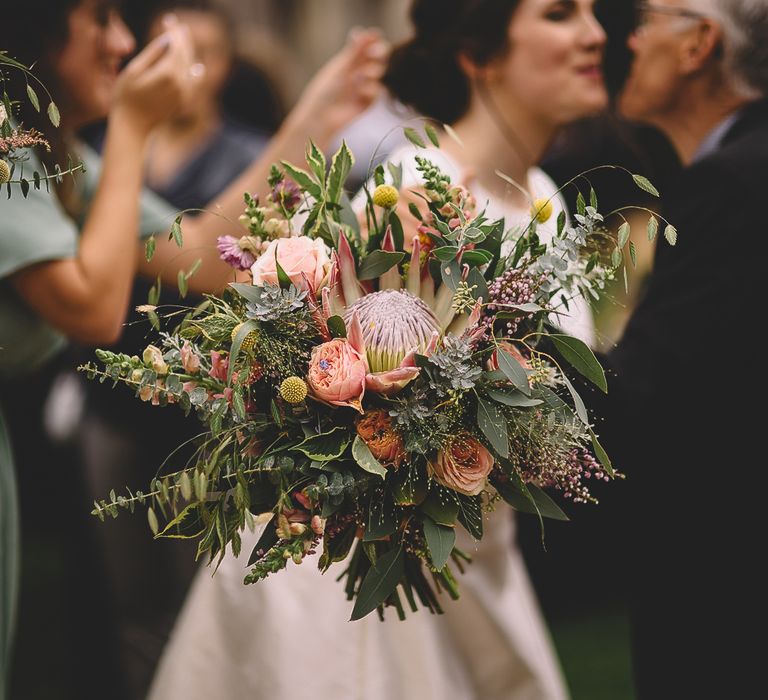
{"points": [[348, 273], [355, 334], [391, 382]]}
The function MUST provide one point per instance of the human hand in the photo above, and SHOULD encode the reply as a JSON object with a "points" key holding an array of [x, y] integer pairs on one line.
{"points": [[346, 85], [159, 81]]}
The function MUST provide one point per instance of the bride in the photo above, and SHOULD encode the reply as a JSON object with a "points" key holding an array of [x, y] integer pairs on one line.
{"points": [[506, 76]]}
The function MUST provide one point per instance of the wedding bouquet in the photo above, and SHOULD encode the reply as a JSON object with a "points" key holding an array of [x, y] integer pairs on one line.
{"points": [[368, 389]]}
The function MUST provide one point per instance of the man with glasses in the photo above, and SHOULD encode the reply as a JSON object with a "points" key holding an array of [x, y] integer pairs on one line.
{"points": [[687, 373]]}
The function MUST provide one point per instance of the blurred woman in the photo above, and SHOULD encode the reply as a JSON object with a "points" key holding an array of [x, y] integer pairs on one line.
{"points": [[506, 75], [191, 158], [68, 256]]}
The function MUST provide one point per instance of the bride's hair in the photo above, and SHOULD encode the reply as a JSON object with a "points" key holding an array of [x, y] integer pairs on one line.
{"points": [[425, 73]]}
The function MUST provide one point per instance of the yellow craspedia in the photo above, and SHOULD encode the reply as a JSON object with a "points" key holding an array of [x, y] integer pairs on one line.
{"points": [[542, 209], [5, 171], [249, 341], [293, 390], [385, 196]]}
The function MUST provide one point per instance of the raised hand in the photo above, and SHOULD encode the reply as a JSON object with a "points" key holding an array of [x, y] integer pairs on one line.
{"points": [[346, 85], [159, 80]]}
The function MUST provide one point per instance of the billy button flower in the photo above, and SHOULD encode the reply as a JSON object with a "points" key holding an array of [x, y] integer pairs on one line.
{"points": [[250, 340], [293, 390], [542, 210], [5, 171], [385, 196]]}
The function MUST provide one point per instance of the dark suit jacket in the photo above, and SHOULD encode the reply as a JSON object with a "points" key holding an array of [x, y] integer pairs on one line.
{"points": [[680, 425]]}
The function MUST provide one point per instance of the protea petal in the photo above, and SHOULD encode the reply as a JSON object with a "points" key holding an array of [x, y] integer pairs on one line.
{"points": [[391, 278], [443, 306], [410, 358], [427, 293], [391, 382], [347, 272], [355, 333], [459, 324], [413, 284]]}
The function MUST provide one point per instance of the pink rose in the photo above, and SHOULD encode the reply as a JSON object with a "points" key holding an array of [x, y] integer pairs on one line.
{"points": [[299, 256], [337, 373], [219, 365], [463, 466], [190, 360]]}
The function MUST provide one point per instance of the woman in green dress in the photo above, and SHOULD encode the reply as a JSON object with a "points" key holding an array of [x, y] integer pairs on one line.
{"points": [[68, 255]]}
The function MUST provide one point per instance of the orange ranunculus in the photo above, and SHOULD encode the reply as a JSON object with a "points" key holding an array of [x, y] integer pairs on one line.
{"points": [[384, 442]]}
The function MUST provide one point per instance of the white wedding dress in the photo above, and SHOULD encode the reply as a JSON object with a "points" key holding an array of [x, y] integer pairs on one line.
{"points": [[288, 637]]}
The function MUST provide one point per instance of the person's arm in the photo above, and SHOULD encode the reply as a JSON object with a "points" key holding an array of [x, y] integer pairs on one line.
{"points": [[86, 296], [343, 88]]}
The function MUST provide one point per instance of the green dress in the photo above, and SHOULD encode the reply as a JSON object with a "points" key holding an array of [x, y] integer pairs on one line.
{"points": [[33, 230]]}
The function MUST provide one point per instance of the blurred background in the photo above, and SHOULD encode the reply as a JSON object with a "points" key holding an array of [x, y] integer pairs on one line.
{"points": [[577, 567]]}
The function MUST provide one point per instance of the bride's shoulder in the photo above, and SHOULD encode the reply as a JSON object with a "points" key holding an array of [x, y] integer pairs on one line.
{"points": [[541, 183]]}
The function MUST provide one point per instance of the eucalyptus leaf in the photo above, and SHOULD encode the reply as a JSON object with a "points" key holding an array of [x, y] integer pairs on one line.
{"points": [[493, 424], [471, 515], [581, 358], [581, 409], [601, 454], [379, 583], [366, 460], [513, 370], [440, 542], [515, 399]]}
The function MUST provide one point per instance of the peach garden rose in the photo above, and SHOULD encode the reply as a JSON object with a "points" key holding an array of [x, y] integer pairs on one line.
{"points": [[337, 373], [463, 466], [299, 256]]}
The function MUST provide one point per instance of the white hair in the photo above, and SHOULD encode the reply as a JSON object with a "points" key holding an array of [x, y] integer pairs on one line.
{"points": [[745, 40]]}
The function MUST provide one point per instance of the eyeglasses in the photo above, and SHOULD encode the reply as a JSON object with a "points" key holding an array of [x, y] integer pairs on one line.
{"points": [[645, 9]]}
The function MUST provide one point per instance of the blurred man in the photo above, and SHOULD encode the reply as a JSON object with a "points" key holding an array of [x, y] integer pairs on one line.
{"points": [[687, 372]]}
